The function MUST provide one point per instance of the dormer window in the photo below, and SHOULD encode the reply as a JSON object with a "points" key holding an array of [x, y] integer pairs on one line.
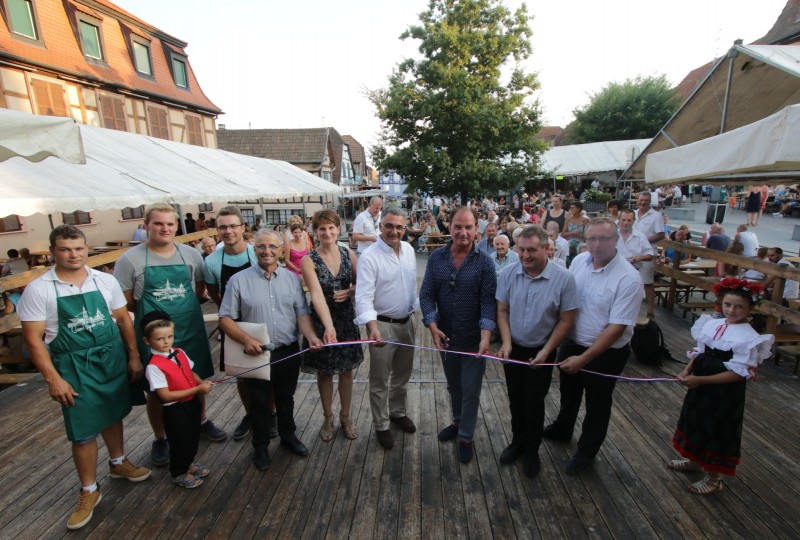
{"points": [[179, 71], [91, 42], [141, 57], [22, 18]]}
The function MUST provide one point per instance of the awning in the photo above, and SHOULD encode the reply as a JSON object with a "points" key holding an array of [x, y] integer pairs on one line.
{"points": [[127, 170], [598, 157], [763, 80], [364, 193], [38, 137], [768, 150]]}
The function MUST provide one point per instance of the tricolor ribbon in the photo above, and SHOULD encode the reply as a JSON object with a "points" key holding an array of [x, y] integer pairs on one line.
{"points": [[476, 355]]}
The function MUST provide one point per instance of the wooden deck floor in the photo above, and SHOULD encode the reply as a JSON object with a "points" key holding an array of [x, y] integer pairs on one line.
{"points": [[357, 490]]}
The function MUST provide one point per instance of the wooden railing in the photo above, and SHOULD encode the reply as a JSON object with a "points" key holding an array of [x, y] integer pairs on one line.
{"points": [[772, 308]]}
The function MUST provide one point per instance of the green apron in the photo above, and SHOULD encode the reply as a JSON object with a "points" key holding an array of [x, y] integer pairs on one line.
{"points": [[171, 290], [88, 353]]}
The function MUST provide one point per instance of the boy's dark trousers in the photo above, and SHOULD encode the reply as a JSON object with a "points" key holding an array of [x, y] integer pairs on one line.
{"points": [[182, 424]]}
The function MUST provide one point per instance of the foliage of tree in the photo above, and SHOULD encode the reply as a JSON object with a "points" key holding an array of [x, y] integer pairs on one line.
{"points": [[634, 109], [452, 119]]}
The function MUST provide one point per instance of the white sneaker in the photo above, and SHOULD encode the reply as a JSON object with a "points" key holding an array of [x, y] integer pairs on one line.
{"points": [[777, 214]]}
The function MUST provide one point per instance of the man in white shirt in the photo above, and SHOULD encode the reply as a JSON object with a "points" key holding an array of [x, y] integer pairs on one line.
{"points": [[632, 244], [650, 223], [386, 298], [609, 294], [365, 226], [14, 265], [561, 245], [76, 326], [748, 239], [790, 287]]}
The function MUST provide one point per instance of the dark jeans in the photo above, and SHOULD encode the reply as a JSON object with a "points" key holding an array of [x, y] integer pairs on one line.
{"points": [[527, 387], [464, 376], [283, 382], [182, 424], [599, 392]]}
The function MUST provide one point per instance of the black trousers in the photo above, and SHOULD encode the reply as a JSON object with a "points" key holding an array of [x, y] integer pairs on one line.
{"points": [[282, 383], [527, 387], [599, 391], [182, 424]]}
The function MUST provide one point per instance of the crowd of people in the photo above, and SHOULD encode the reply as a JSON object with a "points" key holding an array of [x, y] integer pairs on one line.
{"points": [[555, 287]]}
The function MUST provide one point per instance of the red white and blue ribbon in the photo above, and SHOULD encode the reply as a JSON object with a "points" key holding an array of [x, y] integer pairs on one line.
{"points": [[476, 355]]}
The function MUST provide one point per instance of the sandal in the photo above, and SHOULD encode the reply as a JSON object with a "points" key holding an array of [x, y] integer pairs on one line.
{"points": [[187, 481], [706, 486], [683, 465], [326, 431], [348, 428], [198, 470]]}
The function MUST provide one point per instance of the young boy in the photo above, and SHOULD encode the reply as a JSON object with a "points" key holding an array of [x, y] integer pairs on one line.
{"points": [[170, 375]]}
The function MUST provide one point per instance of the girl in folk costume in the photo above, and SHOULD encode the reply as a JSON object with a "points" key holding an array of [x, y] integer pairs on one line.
{"points": [[709, 432]]}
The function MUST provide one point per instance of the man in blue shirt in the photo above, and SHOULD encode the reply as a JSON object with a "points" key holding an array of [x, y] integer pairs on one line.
{"points": [[459, 309]]}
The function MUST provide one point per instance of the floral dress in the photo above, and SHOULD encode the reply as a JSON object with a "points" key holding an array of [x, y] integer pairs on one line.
{"points": [[334, 360]]}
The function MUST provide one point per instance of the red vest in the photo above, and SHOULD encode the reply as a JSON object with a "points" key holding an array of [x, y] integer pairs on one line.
{"points": [[178, 378]]}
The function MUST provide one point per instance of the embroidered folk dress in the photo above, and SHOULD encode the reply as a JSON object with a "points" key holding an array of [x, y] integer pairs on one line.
{"points": [[709, 430]]}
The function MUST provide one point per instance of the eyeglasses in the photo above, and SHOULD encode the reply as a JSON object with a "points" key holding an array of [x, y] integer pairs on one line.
{"points": [[271, 247], [598, 239], [391, 227], [223, 228]]}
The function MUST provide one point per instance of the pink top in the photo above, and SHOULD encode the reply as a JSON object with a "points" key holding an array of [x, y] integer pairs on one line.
{"points": [[295, 257]]}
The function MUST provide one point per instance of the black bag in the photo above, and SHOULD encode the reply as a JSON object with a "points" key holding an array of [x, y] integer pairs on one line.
{"points": [[648, 345]]}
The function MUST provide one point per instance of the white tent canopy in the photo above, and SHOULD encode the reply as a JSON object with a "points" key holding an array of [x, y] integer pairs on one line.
{"points": [[38, 137], [751, 82], [127, 170], [578, 159], [767, 149]]}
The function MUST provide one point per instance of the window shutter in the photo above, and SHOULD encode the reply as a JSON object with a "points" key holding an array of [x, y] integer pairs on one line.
{"points": [[49, 98]]}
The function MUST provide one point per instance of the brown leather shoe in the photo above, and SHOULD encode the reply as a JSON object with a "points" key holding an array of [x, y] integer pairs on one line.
{"points": [[404, 423], [385, 438]]}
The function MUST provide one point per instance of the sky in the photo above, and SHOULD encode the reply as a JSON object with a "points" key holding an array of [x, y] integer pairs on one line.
{"points": [[304, 64]]}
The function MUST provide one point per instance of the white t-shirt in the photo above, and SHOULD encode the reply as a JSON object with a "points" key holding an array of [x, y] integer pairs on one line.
{"points": [[790, 287], [750, 242], [38, 302]]}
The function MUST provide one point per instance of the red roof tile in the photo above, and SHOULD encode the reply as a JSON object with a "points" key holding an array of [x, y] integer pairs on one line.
{"points": [[61, 52]]}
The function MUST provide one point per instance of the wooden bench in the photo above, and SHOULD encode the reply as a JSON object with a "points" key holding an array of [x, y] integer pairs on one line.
{"points": [[695, 308], [7, 377], [789, 352], [431, 247]]}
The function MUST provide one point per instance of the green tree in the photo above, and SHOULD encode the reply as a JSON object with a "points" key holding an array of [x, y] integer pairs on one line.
{"points": [[453, 119], [634, 109]]}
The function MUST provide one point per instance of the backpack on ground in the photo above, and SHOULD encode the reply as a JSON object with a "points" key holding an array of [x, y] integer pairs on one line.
{"points": [[648, 344]]}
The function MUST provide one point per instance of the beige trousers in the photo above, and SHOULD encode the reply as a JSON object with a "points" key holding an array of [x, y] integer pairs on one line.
{"points": [[390, 369]]}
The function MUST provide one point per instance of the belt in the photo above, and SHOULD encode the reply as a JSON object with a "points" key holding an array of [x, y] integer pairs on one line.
{"points": [[404, 320]]}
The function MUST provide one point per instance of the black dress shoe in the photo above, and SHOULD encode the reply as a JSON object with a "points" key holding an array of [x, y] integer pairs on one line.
{"points": [[580, 463], [449, 433], [405, 423], [554, 434], [465, 451], [261, 460], [385, 438], [295, 446], [510, 453], [531, 464]]}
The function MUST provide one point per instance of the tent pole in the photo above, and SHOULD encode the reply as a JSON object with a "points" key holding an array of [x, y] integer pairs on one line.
{"points": [[263, 213], [731, 59], [50, 217]]}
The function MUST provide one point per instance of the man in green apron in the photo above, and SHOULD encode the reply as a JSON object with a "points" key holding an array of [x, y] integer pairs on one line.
{"points": [[236, 255], [81, 314], [162, 275]]}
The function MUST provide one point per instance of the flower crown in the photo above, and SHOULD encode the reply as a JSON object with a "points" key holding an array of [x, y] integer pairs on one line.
{"points": [[755, 290]]}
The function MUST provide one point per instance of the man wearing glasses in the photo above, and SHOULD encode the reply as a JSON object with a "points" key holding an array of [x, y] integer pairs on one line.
{"points": [[459, 308], [609, 294], [163, 275], [365, 226], [386, 297], [272, 295], [236, 255]]}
